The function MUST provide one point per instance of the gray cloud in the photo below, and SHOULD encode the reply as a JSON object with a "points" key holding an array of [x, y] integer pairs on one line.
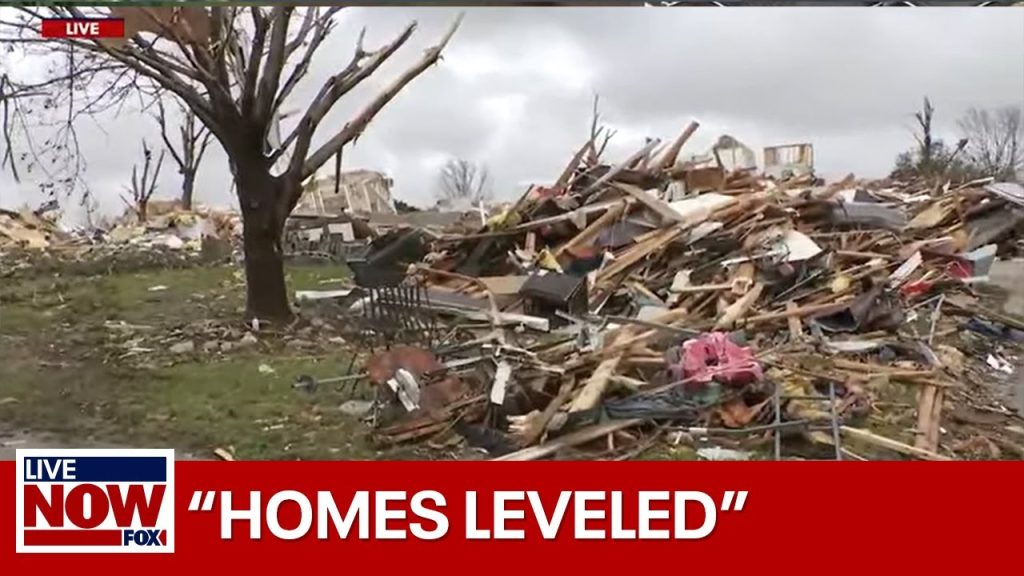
{"points": [[514, 89]]}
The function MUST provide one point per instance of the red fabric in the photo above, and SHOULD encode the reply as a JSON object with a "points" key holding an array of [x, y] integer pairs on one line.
{"points": [[960, 269], [916, 288], [714, 357]]}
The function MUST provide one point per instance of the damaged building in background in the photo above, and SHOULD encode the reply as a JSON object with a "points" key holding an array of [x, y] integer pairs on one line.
{"points": [[360, 191], [733, 155], [789, 161]]}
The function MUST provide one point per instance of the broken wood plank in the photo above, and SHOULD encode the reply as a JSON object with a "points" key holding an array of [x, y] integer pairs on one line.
{"points": [[925, 410], [639, 252], [575, 438], [611, 174], [798, 312], [936, 420], [588, 234], [889, 443], [595, 387], [503, 285], [668, 160], [563, 179], [703, 288], [795, 328], [530, 428], [655, 204], [870, 368], [738, 309], [743, 279]]}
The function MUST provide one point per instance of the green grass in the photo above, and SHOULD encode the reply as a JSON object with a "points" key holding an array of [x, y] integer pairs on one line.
{"points": [[58, 378]]}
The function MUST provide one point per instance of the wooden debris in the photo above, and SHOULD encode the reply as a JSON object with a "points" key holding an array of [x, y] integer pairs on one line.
{"points": [[738, 309], [822, 282], [656, 204], [594, 389], [528, 429], [795, 330], [571, 439], [890, 444]]}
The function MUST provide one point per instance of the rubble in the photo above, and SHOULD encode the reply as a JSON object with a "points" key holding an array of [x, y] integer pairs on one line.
{"points": [[631, 299], [28, 229], [171, 237], [182, 347], [741, 313]]}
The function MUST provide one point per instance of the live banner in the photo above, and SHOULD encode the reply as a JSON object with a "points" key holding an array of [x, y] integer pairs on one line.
{"points": [[720, 518]]}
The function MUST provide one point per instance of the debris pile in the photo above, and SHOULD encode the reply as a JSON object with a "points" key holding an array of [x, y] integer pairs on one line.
{"points": [[27, 229], [168, 225], [657, 298], [168, 237]]}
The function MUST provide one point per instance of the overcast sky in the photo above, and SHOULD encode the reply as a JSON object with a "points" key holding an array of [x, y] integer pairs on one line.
{"points": [[515, 87]]}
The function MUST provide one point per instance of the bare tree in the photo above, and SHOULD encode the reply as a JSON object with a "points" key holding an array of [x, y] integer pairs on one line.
{"points": [[931, 158], [995, 140], [596, 150], [193, 138], [463, 181], [925, 143], [234, 67], [142, 188]]}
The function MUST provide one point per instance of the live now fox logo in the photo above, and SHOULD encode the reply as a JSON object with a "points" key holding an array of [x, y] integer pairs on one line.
{"points": [[72, 501], [82, 28]]}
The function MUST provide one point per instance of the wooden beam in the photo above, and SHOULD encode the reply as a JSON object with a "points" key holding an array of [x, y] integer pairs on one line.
{"points": [[587, 235], [795, 328], [883, 442], [656, 204], [581, 436], [672, 154], [738, 309], [595, 387]]}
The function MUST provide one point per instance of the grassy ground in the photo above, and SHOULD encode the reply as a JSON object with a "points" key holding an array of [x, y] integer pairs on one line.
{"points": [[87, 358]]}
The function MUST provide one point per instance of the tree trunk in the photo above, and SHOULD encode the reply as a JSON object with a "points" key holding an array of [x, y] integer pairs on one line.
{"points": [[188, 183], [267, 295]]}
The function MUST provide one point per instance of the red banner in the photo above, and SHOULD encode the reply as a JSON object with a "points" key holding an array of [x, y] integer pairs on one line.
{"points": [[590, 517], [82, 28]]}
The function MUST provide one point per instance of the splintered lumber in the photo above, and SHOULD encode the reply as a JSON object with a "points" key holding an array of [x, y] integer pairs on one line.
{"points": [[503, 285], [563, 179], [925, 410], [595, 387], [738, 309], [530, 428], [581, 436], [611, 174], [889, 443], [743, 278], [798, 312], [702, 288], [587, 235], [795, 328], [638, 252], [922, 377], [936, 429], [672, 153], [651, 201]]}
